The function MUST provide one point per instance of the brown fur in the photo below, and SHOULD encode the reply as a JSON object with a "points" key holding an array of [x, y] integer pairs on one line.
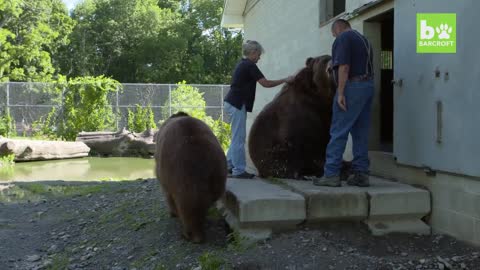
{"points": [[288, 138], [192, 169]]}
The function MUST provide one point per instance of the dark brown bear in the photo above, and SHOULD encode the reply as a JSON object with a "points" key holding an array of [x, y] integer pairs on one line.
{"points": [[289, 136], [192, 169]]}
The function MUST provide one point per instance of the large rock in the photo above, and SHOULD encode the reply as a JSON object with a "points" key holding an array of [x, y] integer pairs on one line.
{"points": [[27, 150]]}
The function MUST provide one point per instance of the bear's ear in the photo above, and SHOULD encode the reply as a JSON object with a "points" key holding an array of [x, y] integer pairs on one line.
{"points": [[309, 61], [179, 114]]}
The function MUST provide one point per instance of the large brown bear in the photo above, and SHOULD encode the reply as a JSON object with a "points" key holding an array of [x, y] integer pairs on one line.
{"points": [[288, 138], [192, 169]]}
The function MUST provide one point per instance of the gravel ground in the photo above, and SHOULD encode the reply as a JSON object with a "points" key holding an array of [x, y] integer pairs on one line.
{"points": [[125, 225]]}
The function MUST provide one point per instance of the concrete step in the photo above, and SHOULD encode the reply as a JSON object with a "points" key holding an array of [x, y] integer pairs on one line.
{"points": [[256, 206]]}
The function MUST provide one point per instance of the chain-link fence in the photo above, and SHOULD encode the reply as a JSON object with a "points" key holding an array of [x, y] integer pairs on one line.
{"points": [[29, 102]]}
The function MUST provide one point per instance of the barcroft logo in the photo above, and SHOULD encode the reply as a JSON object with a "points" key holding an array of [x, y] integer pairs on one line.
{"points": [[436, 33]]}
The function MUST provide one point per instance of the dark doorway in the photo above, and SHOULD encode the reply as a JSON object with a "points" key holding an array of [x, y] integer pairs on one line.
{"points": [[386, 77]]}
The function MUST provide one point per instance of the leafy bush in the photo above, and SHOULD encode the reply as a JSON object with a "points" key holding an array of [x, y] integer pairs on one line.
{"points": [[190, 100], [7, 159], [141, 120], [85, 108], [46, 127], [7, 127]]}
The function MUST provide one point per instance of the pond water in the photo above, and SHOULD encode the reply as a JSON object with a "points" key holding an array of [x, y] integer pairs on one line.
{"points": [[81, 169]]}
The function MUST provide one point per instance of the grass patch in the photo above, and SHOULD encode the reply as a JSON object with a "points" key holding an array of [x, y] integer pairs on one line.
{"points": [[141, 263], [34, 188], [160, 267], [36, 191], [210, 261], [112, 179], [6, 226], [70, 190], [6, 160], [238, 243], [59, 262], [6, 166]]}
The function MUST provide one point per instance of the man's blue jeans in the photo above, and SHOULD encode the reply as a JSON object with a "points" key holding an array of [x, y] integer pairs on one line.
{"points": [[356, 120], [236, 151]]}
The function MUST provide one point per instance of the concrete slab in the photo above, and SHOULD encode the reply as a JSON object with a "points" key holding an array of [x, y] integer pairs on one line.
{"points": [[402, 225], [331, 203], [250, 233], [258, 207], [255, 202], [389, 198]]}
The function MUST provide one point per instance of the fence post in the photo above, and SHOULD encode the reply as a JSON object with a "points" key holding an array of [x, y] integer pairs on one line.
{"points": [[8, 98], [117, 109], [7, 110], [169, 100], [221, 103], [62, 108]]}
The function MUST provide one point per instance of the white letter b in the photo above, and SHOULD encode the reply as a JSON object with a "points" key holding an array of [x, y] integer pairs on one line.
{"points": [[426, 32]]}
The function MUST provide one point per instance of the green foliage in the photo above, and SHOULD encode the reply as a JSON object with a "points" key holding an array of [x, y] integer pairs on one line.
{"points": [[141, 120], [150, 41], [210, 261], [190, 100], [7, 160], [6, 166], [86, 106], [7, 126], [31, 32], [221, 129], [46, 127], [239, 243], [129, 40]]}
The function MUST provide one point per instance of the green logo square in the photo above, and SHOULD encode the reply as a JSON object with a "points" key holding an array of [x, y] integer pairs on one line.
{"points": [[436, 33]]}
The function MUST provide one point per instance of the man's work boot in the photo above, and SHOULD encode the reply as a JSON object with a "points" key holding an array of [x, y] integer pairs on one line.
{"points": [[359, 179], [333, 181]]}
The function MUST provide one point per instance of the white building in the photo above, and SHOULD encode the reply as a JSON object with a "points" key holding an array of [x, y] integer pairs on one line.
{"points": [[424, 129]]}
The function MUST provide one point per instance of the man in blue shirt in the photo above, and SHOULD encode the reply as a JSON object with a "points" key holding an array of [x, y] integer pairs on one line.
{"points": [[352, 67]]}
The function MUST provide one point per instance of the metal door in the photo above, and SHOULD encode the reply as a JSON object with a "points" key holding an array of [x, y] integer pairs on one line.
{"points": [[437, 96]]}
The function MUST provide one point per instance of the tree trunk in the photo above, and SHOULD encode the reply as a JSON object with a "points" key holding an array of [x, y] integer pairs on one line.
{"points": [[27, 150]]}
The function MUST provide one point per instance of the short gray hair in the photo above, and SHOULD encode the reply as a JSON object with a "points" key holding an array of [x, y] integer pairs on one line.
{"points": [[251, 46]]}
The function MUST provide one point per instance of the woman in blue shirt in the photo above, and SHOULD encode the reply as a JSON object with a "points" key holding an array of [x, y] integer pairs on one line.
{"points": [[240, 100]]}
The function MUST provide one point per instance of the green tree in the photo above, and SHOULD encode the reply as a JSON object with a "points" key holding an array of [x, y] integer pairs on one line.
{"points": [[190, 100], [151, 41], [130, 40], [212, 51], [141, 120], [86, 106], [31, 32]]}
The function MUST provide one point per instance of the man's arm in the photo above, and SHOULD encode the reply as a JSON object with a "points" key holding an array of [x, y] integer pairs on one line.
{"points": [[343, 71], [342, 80]]}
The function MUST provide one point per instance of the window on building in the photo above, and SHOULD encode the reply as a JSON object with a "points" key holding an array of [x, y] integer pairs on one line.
{"points": [[330, 9]]}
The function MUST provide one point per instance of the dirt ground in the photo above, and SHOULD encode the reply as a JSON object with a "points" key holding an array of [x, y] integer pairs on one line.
{"points": [[125, 225]]}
